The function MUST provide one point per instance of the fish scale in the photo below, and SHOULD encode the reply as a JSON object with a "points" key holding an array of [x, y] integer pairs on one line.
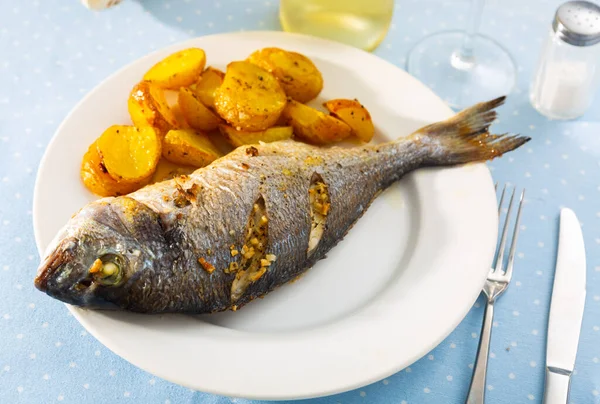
{"points": [[172, 240]]}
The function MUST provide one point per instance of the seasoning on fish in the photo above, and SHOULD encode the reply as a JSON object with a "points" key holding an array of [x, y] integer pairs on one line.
{"points": [[262, 216]]}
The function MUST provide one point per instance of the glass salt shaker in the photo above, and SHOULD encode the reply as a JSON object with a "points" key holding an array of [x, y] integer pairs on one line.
{"points": [[568, 72]]}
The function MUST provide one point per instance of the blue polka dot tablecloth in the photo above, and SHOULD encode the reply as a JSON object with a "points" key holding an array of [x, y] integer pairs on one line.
{"points": [[52, 52]]}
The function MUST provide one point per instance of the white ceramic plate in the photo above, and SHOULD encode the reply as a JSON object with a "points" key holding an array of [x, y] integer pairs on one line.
{"points": [[398, 284]]}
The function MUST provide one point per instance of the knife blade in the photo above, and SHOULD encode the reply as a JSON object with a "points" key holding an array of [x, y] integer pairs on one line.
{"points": [[566, 309]]}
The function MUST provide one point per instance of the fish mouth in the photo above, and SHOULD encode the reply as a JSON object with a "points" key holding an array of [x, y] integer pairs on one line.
{"points": [[49, 268]]}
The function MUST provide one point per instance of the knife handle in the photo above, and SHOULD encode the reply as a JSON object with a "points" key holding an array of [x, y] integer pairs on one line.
{"points": [[558, 382]]}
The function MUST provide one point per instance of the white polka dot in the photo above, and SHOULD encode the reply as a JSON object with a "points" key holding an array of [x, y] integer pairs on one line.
{"points": [[32, 356], [449, 378], [470, 365], [538, 272], [72, 364], [6, 368], [430, 357], [31, 305], [540, 244], [581, 197], [596, 298], [167, 401], [494, 324], [536, 302], [531, 397], [6, 316], [527, 175], [452, 345], [46, 376], [20, 389], [111, 373], [596, 328], [426, 390], [403, 402], [595, 393], [595, 360], [97, 353], [492, 355], [386, 381], [534, 332], [19, 336], [83, 333], [86, 386], [44, 325], [521, 255], [473, 335], [60, 398], [490, 387], [532, 364], [511, 376], [363, 393], [513, 343], [127, 394], [58, 344], [515, 313]]}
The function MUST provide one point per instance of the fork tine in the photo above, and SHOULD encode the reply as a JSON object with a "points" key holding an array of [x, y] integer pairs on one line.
{"points": [[500, 256], [501, 200], [513, 246]]}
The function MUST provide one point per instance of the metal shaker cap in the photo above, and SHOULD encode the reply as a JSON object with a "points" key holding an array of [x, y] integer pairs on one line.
{"points": [[578, 23]]}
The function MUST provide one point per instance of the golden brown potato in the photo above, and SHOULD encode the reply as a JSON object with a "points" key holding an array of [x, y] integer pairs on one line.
{"points": [[355, 115], [314, 126], [299, 77], [148, 106], [96, 178], [129, 154], [188, 147], [165, 170], [210, 80], [196, 114], [238, 138], [180, 69], [250, 97]]}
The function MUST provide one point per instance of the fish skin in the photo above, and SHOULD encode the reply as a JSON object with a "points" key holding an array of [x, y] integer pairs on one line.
{"points": [[162, 230]]}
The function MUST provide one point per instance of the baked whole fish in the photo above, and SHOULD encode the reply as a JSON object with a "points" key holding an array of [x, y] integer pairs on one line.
{"points": [[249, 222]]}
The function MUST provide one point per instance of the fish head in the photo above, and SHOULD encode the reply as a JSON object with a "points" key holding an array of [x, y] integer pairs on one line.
{"points": [[102, 251]]}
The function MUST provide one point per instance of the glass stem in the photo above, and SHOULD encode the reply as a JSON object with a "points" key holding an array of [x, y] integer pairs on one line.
{"points": [[463, 58]]}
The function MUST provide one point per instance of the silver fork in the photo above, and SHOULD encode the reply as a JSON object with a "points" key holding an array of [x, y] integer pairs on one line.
{"points": [[496, 283]]}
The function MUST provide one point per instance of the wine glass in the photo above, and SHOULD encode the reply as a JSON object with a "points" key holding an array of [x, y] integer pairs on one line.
{"points": [[463, 67]]}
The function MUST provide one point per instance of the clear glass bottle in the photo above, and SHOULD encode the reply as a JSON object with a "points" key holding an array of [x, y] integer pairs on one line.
{"points": [[360, 23], [568, 72]]}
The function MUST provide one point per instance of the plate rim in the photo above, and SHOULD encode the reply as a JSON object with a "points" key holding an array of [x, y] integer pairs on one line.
{"points": [[82, 315]]}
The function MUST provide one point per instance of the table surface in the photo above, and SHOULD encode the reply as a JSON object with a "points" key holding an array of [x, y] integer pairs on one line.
{"points": [[52, 52]]}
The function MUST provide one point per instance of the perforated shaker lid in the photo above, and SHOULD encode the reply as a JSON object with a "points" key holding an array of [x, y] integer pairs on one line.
{"points": [[578, 23]]}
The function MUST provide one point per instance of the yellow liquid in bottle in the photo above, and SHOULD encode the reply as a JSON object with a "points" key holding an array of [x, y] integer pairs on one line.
{"points": [[360, 23]]}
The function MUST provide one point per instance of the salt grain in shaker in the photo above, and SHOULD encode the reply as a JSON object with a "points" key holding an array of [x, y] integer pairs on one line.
{"points": [[568, 73]]}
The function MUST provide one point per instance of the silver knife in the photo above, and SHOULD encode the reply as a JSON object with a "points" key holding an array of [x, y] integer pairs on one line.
{"points": [[566, 309]]}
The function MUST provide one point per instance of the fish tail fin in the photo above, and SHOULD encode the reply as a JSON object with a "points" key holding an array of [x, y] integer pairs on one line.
{"points": [[465, 137]]}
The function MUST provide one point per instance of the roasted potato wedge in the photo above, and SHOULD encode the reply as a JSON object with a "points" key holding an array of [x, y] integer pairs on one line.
{"points": [[180, 69], [314, 126], [299, 77], [148, 106], [196, 114], [210, 80], [129, 154], [355, 115], [97, 179], [189, 147], [250, 98], [165, 170], [238, 138]]}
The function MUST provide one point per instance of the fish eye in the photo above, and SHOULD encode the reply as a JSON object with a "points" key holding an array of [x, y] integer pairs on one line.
{"points": [[108, 269]]}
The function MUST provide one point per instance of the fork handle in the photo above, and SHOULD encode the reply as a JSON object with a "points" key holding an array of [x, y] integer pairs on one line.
{"points": [[477, 388]]}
